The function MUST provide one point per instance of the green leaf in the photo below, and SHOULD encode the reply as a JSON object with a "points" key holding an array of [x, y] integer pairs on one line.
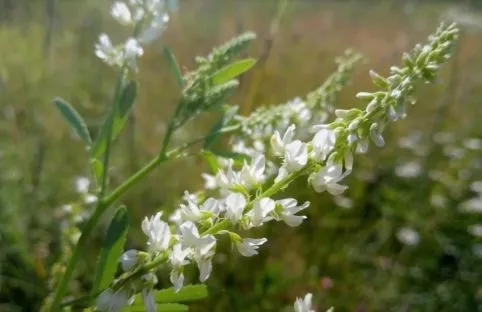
{"points": [[112, 249], [124, 107], [74, 120], [228, 115], [164, 307], [211, 160], [186, 294], [232, 71], [174, 67]]}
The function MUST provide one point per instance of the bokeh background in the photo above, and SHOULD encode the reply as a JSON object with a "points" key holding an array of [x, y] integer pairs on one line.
{"points": [[406, 236]]}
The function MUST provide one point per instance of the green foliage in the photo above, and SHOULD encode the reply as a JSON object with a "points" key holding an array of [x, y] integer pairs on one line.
{"points": [[74, 120], [119, 114], [112, 248], [232, 71]]}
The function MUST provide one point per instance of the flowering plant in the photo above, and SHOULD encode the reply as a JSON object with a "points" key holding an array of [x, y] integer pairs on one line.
{"points": [[269, 149]]}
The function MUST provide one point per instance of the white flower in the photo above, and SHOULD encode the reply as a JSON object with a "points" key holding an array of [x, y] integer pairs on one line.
{"points": [[178, 261], [290, 208], [278, 144], [323, 143], [209, 181], [204, 264], [409, 170], [259, 214], [475, 230], [132, 50], [252, 175], [90, 199], [408, 236], [112, 301], [228, 179], [327, 179], [304, 305], [121, 13], [154, 30], [158, 233], [191, 238], [129, 259], [176, 216], [190, 211], [296, 156], [149, 300], [235, 204], [248, 247], [107, 52], [375, 133], [82, 185]]}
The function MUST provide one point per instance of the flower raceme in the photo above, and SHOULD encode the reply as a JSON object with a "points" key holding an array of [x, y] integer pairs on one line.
{"points": [[245, 198], [147, 19]]}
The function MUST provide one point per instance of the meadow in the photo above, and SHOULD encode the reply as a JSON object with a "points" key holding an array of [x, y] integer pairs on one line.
{"points": [[405, 236]]}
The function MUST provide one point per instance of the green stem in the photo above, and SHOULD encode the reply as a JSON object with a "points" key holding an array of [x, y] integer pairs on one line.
{"points": [[110, 120], [77, 253]]}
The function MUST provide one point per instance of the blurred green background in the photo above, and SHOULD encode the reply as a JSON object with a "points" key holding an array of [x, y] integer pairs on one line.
{"points": [[406, 236]]}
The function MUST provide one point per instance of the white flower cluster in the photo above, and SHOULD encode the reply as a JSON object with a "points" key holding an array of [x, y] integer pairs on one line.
{"points": [[258, 127], [147, 18], [245, 197]]}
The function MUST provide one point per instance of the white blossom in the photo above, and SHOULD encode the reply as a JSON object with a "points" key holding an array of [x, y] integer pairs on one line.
{"points": [[252, 175], [149, 300], [296, 156], [249, 246], [209, 181], [178, 260], [259, 214], [129, 259], [113, 301], [190, 238], [304, 305], [278, 144], [82, 185], [327, 179], [235, 204], [121, 13], [290, 208], [154, 29], [158, 233], [408, 236], [107, 52], [204, 264], [323, 143]]}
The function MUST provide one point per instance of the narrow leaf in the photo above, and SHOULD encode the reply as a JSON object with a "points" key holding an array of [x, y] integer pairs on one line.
{"points": [[186, 294], [232, 71], [112, 249], [227, 116], [124, 107], [174, 67], [73, 119]]}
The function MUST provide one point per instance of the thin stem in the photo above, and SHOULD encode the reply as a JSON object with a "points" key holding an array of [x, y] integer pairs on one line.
{"points": [[78, 250], [160, 158], [110, 120]]}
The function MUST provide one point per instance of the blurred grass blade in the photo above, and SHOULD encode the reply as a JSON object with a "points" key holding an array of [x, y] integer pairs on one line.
{"points": [[187, 293], [125, 104], [228, 115], [111, 249], [232, 71], [74, 120], [163, 307], [174, 67]]}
